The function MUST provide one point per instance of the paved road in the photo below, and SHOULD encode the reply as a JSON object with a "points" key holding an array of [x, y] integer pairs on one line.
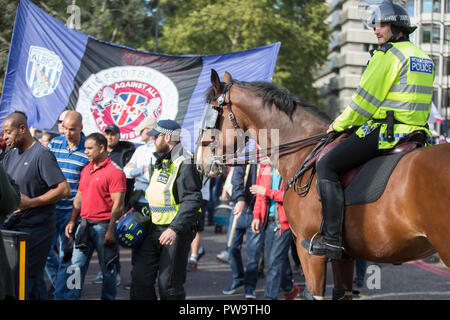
{"points": [[419, 280]]}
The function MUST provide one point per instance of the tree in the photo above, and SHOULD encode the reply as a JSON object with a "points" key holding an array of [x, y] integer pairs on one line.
{"points": [[126, 22], [7, 15], [211, 27]]}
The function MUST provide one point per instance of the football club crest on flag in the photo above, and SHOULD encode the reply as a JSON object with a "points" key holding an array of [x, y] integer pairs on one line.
{"points": [[124, 96], [43, 71]]}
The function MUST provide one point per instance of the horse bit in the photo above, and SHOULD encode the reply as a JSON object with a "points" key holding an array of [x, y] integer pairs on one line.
{"points": [[210, 116]]}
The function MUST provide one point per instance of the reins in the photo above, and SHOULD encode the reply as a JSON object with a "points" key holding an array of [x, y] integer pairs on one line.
{"points": [[255, 156], [320, 141]]}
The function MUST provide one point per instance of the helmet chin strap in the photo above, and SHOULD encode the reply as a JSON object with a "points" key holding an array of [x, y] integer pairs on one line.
{"points": [[395, 33]]}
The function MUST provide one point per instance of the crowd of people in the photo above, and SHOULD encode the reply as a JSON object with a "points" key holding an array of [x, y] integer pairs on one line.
{"points": [[73, 189]]}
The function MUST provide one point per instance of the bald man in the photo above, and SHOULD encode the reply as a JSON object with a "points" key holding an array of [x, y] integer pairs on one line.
{"points": [[41, 184], [69, 152]]}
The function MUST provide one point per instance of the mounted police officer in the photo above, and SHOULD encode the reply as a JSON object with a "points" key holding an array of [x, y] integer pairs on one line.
{"points": [[393, 99], [174, 197]]}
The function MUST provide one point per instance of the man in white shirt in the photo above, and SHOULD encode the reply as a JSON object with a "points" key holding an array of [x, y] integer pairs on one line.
{"points": [[139, 163]]}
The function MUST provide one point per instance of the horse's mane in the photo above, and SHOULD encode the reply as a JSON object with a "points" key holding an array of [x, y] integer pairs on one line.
{"points": [[274, 94]]}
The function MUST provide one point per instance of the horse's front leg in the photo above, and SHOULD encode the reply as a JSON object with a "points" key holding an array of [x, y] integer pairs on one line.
{"points": [[315, 271], [343, 279]]}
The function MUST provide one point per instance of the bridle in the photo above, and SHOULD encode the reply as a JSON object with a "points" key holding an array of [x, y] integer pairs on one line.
{"points": [[210, 118], [209, 121], [223, 101]]}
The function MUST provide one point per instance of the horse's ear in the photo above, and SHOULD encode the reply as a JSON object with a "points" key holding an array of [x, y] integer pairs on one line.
{"points": [[215, 81], [227, 77]]}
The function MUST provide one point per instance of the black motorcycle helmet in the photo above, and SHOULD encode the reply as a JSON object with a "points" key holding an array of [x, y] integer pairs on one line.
{"points": [[394, 14]]}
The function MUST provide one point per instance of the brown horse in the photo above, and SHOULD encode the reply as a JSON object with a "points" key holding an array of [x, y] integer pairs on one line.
{"points": [[410, 221]]}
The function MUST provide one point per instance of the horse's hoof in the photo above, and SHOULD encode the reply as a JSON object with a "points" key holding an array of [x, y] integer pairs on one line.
{"points": [[340, 294], [307, 295]]}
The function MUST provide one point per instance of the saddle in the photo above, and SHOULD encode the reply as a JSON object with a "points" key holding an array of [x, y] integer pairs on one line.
{"points": [[365, 183]]}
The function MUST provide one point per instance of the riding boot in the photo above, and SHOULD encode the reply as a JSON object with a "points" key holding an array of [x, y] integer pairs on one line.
{"points": [[333, 207]]}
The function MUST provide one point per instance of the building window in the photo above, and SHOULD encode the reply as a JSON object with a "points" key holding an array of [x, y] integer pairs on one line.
{"points": [[333, 62], [436, 36], [369, 46], [447, 66], [447, 35], [447, 6], [437, 6], [426, 34], [431, 34], [335, 19], [436, 64], [446, 101], [333, 40], [427, 6], [444, 98], [435, 96], [411, 8]]}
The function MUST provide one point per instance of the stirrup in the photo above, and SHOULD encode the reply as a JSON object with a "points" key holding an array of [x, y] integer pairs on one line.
{"points": [[311, 242]]}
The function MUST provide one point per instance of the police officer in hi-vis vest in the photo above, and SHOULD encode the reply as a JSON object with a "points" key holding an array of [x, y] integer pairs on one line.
{"points": [[393, 99], [174, 197]]}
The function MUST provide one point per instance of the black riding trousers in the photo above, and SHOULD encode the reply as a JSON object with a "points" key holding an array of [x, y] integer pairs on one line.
{"points": [[152, 261], [350, 153]]}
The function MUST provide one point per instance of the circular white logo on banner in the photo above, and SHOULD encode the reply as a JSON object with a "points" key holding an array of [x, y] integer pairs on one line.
{"points": [[124, 96]]}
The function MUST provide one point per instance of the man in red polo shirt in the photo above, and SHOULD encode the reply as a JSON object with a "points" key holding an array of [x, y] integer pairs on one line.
{"points": [[100, 203]]}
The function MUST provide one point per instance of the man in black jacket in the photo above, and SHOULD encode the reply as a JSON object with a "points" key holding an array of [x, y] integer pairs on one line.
{"points": [[174, 197], [9, 199], [119, 151]]}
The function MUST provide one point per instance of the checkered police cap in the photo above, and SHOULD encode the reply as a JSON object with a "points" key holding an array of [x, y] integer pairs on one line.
{"points": [[169, 127]]}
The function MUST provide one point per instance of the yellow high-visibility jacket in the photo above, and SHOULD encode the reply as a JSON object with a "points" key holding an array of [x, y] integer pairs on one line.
{"points": [[399, 77], [159, 193]]}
